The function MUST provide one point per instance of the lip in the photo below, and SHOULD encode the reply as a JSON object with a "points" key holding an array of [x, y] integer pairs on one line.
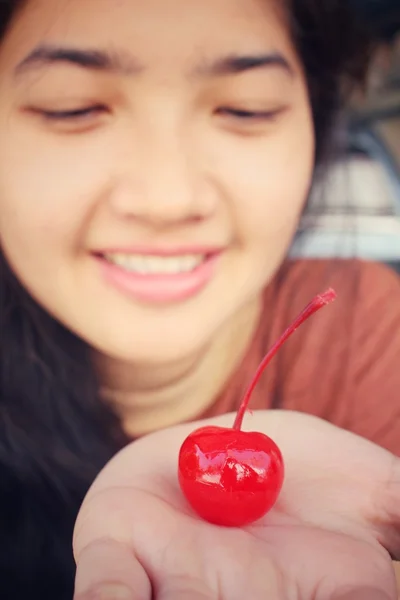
{"points": [[161, 250], [159, 288]]}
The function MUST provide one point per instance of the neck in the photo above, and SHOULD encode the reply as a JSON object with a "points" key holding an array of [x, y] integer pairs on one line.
{"points": [[150, 398]]}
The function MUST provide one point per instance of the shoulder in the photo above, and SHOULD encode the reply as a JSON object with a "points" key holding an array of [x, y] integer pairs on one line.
{"points": [[368, 294], [343, 362], [354, 280]]}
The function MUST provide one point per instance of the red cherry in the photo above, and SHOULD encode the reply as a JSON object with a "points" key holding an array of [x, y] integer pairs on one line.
{"points": [[232, 477]]}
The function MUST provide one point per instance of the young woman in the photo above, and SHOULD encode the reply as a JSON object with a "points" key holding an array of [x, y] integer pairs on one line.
{"points": [[155, 158]]}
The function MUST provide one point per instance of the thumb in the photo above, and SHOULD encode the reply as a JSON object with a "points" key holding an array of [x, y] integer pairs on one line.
{"points": [[109, 570]]}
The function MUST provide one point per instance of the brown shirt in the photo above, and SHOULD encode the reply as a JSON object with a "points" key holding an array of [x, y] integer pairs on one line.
{"points": [[343, 364]]}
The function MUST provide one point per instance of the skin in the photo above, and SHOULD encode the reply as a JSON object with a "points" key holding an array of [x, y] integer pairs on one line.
{"points": [[165, 163], [328, 537]]}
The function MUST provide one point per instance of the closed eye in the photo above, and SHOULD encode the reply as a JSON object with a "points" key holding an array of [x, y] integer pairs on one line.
{"points": [[71, 115], [249, 115]]}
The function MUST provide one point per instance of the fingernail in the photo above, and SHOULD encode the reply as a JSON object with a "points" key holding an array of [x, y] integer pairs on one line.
{"points": [[108, 592]]}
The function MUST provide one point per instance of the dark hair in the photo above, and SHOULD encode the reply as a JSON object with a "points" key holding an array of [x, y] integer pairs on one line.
{"points": [[335, 48], [55, 432]]}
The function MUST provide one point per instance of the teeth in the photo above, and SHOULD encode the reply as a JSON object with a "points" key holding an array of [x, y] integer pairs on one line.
{"points": [[156, 265]]}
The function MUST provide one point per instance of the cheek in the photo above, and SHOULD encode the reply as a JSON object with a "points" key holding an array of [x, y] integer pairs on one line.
{"points": [[46, 197], [270, 183]]}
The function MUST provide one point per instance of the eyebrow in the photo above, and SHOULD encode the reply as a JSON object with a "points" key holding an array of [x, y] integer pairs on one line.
{"points": [[125, 64], [236, 64], [96, 60]]}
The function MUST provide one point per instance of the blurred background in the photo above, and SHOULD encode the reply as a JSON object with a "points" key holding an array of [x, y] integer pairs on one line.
{"points": [[356, 213]]}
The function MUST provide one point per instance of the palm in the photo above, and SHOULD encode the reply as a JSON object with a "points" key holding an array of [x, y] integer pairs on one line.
{"points": [[321, 538]]}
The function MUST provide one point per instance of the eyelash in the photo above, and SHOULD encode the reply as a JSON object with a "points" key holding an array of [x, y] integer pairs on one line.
{"points": [[65, 115], [81, 114], [78, 113], [248, 115]]}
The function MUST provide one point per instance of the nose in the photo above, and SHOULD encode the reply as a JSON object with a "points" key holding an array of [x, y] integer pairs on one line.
{"points": [[164, 185]]}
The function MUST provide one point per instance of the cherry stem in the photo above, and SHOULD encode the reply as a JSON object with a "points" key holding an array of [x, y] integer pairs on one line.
{"points": [[318, 302]]}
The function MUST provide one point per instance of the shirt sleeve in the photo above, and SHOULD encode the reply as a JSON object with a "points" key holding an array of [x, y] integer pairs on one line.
{"points": [[373, 390]]}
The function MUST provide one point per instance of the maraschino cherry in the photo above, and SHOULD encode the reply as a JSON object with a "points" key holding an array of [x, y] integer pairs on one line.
{"points": [[232, 477]]}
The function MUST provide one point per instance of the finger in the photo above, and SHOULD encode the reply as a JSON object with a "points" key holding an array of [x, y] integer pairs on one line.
{"points": [[184, 596], [184, 588], [362, 593], [389, 511], [108, 570]]}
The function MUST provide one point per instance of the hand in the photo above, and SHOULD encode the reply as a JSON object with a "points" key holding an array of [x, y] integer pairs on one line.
{"points": [[328, 538]]}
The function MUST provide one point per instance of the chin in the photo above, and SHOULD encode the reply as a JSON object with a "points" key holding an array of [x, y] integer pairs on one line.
{"points": [[151, 350]]}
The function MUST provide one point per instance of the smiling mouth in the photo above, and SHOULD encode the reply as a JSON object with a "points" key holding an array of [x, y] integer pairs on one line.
{"points": [[156, 265], [153, 278]]}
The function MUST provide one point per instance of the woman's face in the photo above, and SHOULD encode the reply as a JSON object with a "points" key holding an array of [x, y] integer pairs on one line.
{"points": [[154, 159]]}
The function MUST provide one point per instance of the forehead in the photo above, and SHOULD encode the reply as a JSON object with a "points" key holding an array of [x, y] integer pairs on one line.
{"points": [[172, 33]]}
